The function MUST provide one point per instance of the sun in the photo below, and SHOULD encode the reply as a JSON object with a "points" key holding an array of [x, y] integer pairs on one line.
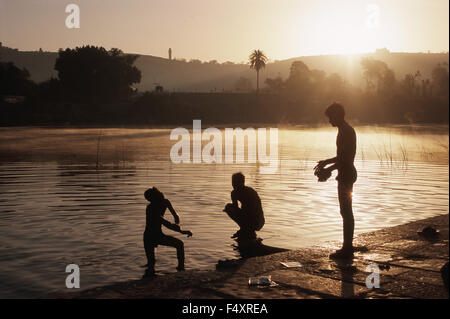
{"points": [[348, 39], [349, 30]]}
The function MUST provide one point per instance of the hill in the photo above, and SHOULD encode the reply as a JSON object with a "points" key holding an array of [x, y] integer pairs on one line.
{"points": [[198, 76]]}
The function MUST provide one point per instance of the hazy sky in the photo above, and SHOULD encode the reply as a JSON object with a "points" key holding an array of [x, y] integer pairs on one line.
{"points": [[229, 30]]}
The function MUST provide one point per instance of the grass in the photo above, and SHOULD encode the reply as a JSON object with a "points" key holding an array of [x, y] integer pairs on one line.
{"points": [[99, 138], [404, 154], [386, 155], [121, 153]]}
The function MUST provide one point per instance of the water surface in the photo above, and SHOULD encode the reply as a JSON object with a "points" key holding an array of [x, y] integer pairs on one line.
{"points": [[76, 196]]}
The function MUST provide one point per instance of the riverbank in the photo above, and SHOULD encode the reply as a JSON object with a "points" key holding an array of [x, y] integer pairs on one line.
{"points": [[409, 268]]}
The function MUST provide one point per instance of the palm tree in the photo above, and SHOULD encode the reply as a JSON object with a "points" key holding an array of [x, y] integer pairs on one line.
{"points": [[257, 61]]}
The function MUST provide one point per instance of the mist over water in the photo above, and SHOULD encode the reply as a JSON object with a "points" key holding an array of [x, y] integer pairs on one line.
{"points": [[76, 196]]}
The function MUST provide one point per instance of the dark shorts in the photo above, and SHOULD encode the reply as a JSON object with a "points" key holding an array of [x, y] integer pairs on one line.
{"points": [[161, 239]]}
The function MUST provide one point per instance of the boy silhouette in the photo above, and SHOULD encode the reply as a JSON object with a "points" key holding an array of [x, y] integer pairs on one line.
{"points": [[153, 235]]}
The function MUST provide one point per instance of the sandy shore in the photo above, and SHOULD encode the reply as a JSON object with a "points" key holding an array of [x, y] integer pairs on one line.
{"points": [[409, 268]]}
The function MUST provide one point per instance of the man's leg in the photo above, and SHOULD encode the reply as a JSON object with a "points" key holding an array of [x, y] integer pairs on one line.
{"points": [[247, 225], [150, 253], [176, 243], [250, 224], [236, 215], [345, 203]]}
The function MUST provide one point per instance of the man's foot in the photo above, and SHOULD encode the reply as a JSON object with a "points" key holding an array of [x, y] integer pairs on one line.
{"points": [[342, 254], [149, 272], [236, 234], [180, 268], [246, 235]]}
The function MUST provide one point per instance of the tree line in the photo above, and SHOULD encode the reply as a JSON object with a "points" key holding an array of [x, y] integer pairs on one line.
{"points": [[96, 86], [384, 99]]}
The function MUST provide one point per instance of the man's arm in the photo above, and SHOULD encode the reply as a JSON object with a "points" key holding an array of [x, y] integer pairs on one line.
{"points": [[333, 167], [322, 164], [173, 212], [169, 225], [330, 161], [234, 199], [175, 227]]}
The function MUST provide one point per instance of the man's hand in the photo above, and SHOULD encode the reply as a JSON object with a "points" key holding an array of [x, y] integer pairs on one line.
{"points": [[187, 232], [323, 174], [320, 165]]}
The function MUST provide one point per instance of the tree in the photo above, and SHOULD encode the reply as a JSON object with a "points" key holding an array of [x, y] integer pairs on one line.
{"points": [[300, 79], [14, 81], [275, 85], [335, 87], [243, 85], [257, 61], [378, 75], [195, 61], [440, 79], [410, 85], [92, 73]]}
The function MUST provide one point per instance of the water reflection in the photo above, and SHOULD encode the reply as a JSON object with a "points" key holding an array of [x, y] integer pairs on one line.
{"points": [[57, 208]]}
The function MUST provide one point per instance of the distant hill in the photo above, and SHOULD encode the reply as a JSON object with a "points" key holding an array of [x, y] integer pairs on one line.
{"points": [[197, 76], [40, 64]]}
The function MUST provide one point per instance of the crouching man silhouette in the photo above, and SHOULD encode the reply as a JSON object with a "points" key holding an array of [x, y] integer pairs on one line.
{"points": [[250, 216]]}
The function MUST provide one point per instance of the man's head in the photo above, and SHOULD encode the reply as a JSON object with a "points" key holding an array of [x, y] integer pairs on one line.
{"points": [[238, 180], [153, 194], [335, 113]]}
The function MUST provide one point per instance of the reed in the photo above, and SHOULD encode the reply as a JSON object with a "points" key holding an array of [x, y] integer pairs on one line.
{"points": [[99, 138]]}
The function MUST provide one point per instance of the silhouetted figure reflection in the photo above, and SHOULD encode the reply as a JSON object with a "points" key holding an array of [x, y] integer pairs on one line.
{"points": [[153, 235], [250, 216], [347, 273], [347, 175]]}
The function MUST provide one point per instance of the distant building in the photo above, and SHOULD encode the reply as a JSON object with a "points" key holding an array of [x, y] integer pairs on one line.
{"points": [[383, 51], [170, 53]]}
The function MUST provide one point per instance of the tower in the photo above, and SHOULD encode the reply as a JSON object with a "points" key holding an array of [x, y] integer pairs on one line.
{"points": [[170, 53]]}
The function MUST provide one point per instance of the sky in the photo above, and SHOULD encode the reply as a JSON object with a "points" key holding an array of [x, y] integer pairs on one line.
{"points": [[229, 30]]}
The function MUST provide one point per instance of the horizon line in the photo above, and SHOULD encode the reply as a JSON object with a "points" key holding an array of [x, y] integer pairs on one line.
{"points": [[180, 59]]}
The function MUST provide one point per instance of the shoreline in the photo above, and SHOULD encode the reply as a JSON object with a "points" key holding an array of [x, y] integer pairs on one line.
{"points": [[409, 268], [283, 125]]}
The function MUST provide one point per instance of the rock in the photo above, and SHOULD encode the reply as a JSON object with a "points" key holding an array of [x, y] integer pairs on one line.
{"points": [[429, 233]]}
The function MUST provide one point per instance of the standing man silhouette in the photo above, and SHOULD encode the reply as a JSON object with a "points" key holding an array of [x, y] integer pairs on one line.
{"points": [[347, 175]]}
